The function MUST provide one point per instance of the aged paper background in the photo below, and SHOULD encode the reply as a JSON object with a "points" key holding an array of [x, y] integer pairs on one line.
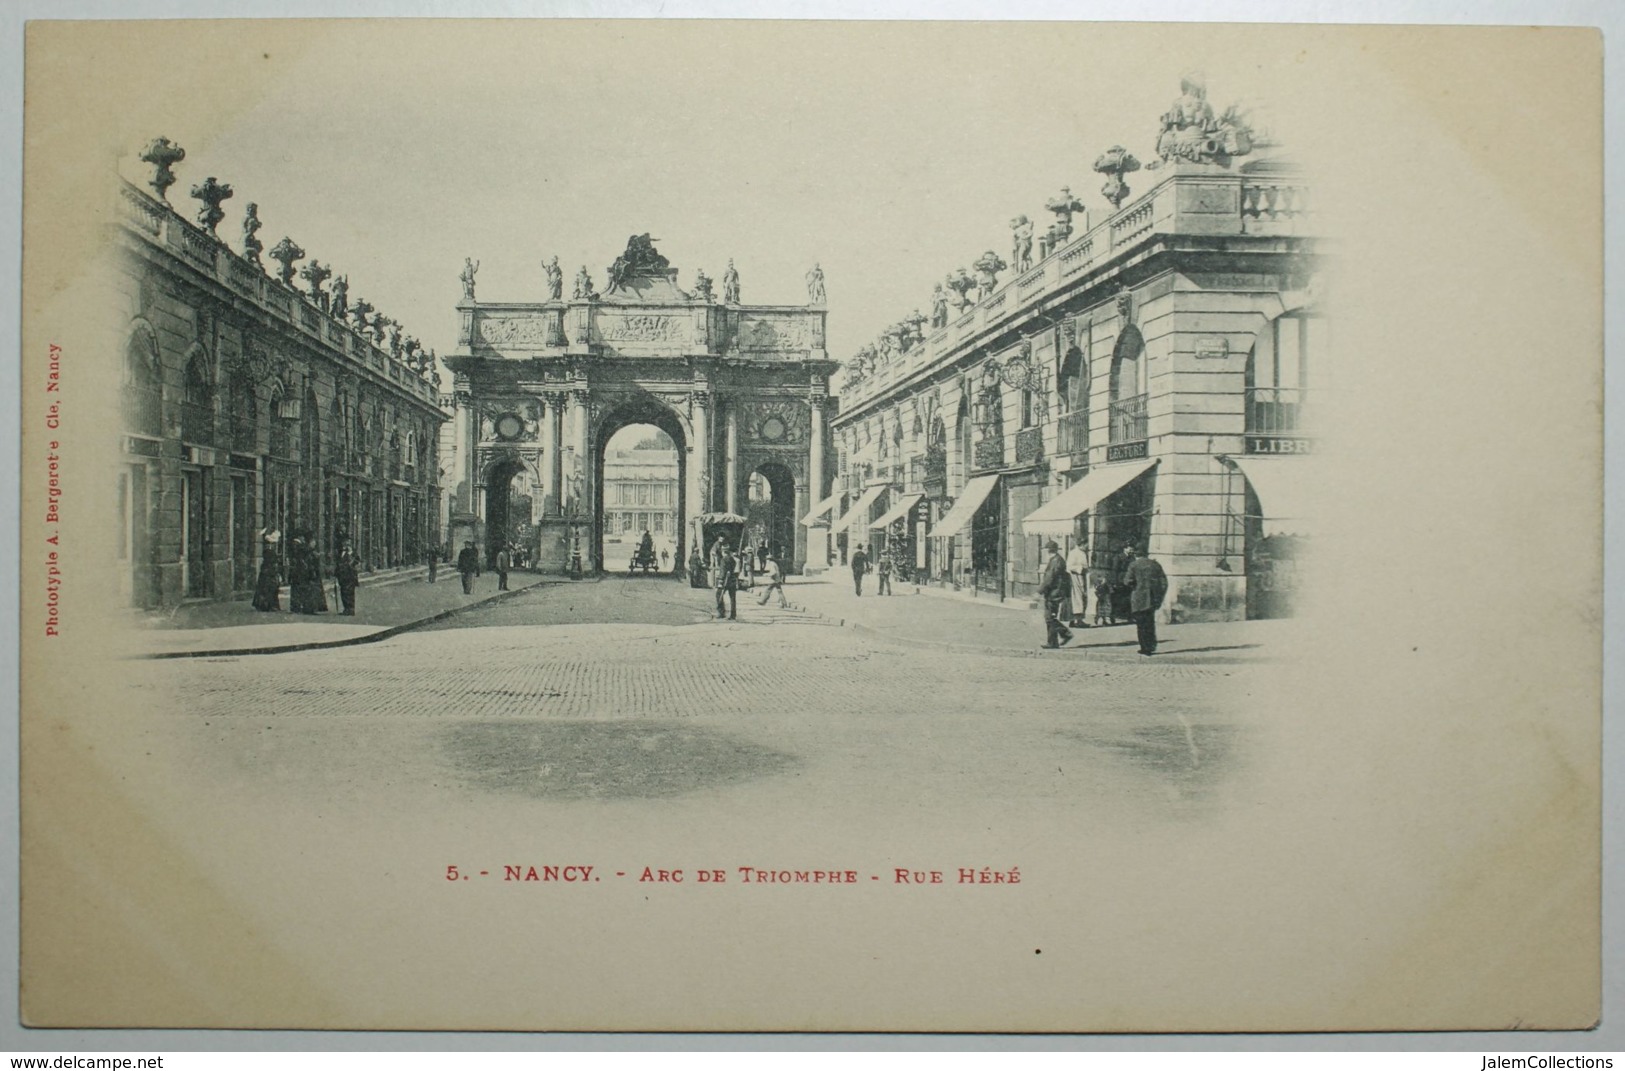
{"points": [[1425, 853]]}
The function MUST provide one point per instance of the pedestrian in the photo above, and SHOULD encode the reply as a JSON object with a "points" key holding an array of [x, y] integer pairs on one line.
{"points": [[1103, 603], [1056, 590], [504, 559], [884, 585], [1077, 567], [304, 586], [726, 570], [761, 556], [1148, 586], [434, 562], [266, 587], [665, 559], [344, 572], [468, 564], [1122, 608], [860, 565], [318, 592], [775, 580]]}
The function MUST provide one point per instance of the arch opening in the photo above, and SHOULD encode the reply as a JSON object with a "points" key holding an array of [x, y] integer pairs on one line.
{"points": [[770, 513], [512, 502], [640, 489]]}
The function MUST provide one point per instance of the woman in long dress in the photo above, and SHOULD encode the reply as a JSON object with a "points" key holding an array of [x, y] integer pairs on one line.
{"points": [[266, 595]]}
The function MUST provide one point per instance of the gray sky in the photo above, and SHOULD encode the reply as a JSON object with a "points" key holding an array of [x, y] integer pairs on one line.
{"points": [[888, 153]]}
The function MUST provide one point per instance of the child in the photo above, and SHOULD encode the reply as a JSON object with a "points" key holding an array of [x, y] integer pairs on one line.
{"points": [[1103, 603]]}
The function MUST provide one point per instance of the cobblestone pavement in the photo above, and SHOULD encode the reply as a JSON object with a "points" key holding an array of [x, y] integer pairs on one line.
{"points": [[633, 690]]}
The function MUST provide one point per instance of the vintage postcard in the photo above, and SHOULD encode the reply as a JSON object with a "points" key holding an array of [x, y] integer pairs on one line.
{"points": [[572, 525]]}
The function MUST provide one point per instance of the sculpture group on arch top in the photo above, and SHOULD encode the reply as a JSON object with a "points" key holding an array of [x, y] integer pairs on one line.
{"points": [[1190, 130], [640, 260], [162, 154]]}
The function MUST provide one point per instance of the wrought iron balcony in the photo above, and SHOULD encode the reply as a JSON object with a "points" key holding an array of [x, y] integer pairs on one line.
{"points": [[1275, 410], [989, 452], [197, 422], [243, 432], [1128, 423], [1029, 445], [143, 410]]}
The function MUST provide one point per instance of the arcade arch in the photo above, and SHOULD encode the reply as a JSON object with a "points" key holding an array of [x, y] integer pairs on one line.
{"points": [[621, 432]]}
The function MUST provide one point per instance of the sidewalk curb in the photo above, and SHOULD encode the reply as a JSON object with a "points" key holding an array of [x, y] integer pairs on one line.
{"points": [[353, 641]]}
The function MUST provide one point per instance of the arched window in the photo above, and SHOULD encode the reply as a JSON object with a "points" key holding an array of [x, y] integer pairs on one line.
{"points": [[312, 431], [1072, 387], [966, 431], [281, 444], [358, 438], [242, 410], [197, 404], [1288, 359], [1128, 387], [143, 382]]}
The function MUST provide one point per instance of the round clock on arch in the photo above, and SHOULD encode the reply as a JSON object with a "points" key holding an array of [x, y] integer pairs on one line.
{"points": [[510, 426]]}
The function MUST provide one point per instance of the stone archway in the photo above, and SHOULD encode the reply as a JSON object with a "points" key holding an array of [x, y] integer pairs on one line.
{"points": [[499, 518], [773, 516], [630, 413], [559, 376]]}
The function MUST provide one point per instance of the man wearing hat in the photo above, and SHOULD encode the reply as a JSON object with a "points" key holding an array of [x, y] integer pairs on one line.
{"points": [[1148, 586], [1056, 590]]}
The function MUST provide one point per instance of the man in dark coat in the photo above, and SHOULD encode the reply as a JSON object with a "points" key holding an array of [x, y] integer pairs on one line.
{"points": [[1055, 588], [345, 573], [726, 568], [1148, 586], [503, 557], [468, 564], [860, 565]]}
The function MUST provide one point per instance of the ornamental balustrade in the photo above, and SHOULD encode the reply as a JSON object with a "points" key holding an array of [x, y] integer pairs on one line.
{"points": [[1262, 207]]}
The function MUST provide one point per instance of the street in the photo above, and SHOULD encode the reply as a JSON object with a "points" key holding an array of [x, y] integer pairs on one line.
{"points": [[368, 804], [633, 690]]}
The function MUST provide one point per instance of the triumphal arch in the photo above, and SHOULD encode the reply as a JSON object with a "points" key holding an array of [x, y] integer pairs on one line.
{"points": [[541, 386]]}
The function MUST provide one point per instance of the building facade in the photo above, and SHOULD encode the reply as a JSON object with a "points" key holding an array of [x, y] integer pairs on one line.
{"points": [[1145, 377], [250, 405], [640, 494], [541, 388]]}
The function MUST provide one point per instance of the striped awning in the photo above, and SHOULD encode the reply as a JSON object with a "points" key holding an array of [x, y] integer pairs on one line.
{"points": [[820, 512], [1057, 516], [965, 506], [859, 513], [896, 513]]}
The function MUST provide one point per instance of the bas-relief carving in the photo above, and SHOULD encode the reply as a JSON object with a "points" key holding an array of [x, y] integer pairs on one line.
{"points": [[761, 333], [642, 327], [794, 419], [517, 331]]}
